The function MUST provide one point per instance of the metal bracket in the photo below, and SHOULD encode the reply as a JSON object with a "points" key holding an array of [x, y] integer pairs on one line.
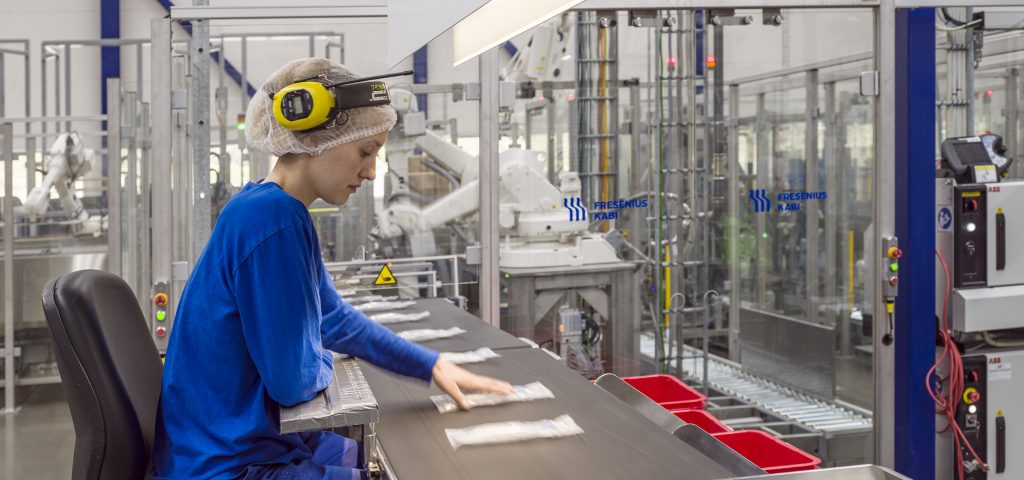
{"points": [[772, 17], [649, 19], [725, 17], [869, 83]]}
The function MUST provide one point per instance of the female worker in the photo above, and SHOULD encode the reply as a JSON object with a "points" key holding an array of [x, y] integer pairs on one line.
{"points": [[259, 315]]}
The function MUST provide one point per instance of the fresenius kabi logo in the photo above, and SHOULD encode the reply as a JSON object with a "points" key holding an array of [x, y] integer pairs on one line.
{"points": [[575, 207], [760, 199]]}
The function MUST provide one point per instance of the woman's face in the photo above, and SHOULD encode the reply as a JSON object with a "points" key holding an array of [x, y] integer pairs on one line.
{"points": [[339, 171]]}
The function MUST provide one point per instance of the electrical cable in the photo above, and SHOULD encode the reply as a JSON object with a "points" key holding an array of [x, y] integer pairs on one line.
{"points": [[946, 17], [943, 28], [947, 404]]}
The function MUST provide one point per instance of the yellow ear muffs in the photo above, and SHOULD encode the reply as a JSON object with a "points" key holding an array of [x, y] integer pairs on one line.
{"points": [[303, 106]]}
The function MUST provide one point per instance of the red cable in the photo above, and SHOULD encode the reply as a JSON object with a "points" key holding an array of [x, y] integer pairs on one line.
{"points": [[948, 404]]}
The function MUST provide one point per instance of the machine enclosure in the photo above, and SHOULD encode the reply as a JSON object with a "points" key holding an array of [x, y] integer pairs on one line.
{"points": [[996, 427], [976, 227]]}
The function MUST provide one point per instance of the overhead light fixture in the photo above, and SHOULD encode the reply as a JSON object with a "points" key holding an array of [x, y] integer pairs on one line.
{"points": [[498, 21]]}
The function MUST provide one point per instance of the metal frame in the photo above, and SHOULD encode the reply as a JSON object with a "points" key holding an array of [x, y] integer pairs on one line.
{"points": [[200, 12]]}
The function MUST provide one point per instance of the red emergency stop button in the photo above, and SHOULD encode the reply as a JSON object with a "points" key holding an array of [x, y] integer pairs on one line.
{"points": [[160, 299], [971, 395], [161, 332], [895, 253]]}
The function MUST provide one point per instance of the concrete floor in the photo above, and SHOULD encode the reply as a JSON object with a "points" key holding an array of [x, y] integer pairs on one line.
{"points": [[38, 440]]}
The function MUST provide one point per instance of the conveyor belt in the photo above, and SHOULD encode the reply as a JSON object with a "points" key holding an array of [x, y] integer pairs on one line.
{"points": [[445, 315], [618, 443]]}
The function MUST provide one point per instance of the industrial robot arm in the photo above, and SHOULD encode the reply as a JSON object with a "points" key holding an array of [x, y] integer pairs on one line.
{"points": [[531, 207], [69, 160]]}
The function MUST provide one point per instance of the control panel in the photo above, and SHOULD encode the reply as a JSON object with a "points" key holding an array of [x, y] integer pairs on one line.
{"points": [[970, 246], [160, 303], [972, 415]]}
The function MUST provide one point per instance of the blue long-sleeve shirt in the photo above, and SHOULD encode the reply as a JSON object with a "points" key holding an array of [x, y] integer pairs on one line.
{"points": [[250, 334]]}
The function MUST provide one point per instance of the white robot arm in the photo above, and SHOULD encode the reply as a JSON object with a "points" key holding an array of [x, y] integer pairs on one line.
{"points": [[69, 160], [531, 207]]}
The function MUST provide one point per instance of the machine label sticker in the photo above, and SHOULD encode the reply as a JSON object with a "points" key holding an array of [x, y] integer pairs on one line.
{"points": [[944, 219], [385, 277], [999, 371], [609, 210], [575, 207], [784, 201]]}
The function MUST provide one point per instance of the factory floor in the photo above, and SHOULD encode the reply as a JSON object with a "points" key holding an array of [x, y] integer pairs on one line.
{"points": [[38, 441]]}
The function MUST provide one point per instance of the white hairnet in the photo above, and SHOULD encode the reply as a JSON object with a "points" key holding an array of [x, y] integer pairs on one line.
{"points": [[264, 134]]}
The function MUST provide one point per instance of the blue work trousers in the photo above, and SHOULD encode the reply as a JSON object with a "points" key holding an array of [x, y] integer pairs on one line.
{"points": [[334, 458]]}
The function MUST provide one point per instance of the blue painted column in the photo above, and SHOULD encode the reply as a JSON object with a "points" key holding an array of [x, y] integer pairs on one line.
{"points": [[110, 57], [419, 75], [914, 413]]}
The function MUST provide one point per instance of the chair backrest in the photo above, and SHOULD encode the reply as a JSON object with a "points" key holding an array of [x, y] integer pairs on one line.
{"points": [[110, 369]]}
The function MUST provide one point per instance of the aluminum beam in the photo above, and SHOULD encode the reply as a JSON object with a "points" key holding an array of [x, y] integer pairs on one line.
{"points": [[811, 184], [8, 232], [199, 55], [490, 188], [884, 224], [114, 250], [160, 159], [197, 12]]}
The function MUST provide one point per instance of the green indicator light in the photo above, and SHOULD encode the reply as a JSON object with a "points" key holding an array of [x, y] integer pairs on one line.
{"points": [[894, 267], [764, 235], [161, 315], [241, 127]]}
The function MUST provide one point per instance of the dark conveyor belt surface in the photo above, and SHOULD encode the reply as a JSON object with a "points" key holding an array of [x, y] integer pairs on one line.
{"points": [[619, 443], [445, 315]]}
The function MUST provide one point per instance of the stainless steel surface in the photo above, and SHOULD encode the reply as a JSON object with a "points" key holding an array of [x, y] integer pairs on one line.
{"points": [[347, 401], [791, 351], [490, 187], [611, 290], [859, 472]]}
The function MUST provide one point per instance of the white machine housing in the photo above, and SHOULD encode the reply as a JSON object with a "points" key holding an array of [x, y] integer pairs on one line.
{"points": [[987, 272]]}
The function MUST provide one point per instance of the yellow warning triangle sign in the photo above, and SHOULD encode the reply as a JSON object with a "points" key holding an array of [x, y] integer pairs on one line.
{"points": [[385, 277]]}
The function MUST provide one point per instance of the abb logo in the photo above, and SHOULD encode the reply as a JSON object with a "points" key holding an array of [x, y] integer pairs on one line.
{"points": [[993, 189], [995, 360]]}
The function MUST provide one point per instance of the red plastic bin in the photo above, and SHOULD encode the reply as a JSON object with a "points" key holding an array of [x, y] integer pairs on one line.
{"points": [[668, 391], [769, 453], [702, 419]]}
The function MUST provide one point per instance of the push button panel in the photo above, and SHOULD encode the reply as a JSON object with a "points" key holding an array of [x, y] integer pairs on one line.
{"points": [[969, 236], [160, 303]]}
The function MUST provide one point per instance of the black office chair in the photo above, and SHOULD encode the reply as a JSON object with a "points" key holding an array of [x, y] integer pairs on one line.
{"points": [[110, 369]]}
